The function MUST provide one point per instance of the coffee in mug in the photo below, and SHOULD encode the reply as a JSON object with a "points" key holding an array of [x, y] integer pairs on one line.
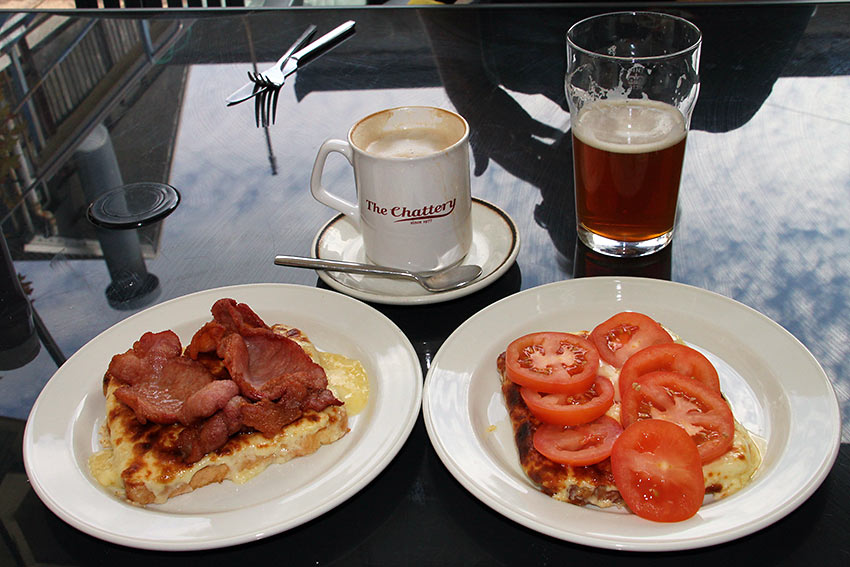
{"points": [[411, 172]]}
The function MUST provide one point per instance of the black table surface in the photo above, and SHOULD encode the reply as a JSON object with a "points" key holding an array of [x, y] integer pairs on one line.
{"points": [[764, 220]]}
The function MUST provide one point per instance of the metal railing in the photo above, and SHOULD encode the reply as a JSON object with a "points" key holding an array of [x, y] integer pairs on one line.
{"points": [[60, 77]]}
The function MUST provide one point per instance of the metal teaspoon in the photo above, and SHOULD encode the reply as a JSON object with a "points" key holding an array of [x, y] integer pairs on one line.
{"points": [[442, 280]]}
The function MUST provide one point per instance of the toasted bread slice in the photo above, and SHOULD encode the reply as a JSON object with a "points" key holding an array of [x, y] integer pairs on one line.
{"points": [[143, 463], [594, 484]]}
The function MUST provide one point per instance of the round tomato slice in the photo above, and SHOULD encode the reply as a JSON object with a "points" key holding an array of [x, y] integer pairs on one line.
{"points": [[657, 470], [555, 363], [673, 357], [578, 446], [699, 410], [565, 409], [626, 333]]}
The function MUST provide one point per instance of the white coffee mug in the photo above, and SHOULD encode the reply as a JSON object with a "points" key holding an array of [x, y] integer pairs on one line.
{"points": [[411, 172]]}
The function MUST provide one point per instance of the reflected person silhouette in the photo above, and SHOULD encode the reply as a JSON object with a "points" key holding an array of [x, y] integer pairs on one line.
{"points": [[473, 50], [484, 56]]}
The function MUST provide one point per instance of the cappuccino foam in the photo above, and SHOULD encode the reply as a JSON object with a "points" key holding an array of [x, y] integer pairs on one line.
{"points": [[410, 142]]}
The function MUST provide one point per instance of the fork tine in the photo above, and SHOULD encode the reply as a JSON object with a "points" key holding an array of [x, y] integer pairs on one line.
{"points": [[265, 101], [258, 105], [274, 104], [269, 105]]}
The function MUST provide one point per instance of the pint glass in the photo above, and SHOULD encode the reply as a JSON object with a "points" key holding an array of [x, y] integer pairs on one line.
{"points": [[632, 82]]}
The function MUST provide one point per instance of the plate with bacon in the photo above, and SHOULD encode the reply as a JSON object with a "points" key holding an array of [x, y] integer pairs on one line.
{"points": [[631, 414], [222, 417]]}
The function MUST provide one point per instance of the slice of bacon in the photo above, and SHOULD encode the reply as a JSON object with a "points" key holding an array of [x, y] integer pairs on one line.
{"points": [[206, 339], [265, 364], [236, 317], [148, 353], [196, 441], [237, 374], [228, 317], [162, 386], [269, 417], [269, 366], [206, 401]]}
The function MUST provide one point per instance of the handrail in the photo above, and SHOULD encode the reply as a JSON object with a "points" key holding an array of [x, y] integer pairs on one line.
{"points": [[49, 166]]}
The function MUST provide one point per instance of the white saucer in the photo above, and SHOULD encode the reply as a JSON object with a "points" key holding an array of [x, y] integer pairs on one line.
{"points": [[495, 245]]}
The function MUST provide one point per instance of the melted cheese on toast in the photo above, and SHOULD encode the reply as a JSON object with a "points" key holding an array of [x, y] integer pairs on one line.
{"points": [[142, 462], [594, 484]]}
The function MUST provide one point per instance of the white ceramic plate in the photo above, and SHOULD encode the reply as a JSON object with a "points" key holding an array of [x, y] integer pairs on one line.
{"points": [[775, 386], [62, 430], [495, 245]]}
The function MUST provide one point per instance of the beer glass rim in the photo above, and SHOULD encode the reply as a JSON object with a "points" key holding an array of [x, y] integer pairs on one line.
{"points": [[694, 45]]}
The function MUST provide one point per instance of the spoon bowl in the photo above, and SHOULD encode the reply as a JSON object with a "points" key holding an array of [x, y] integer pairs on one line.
{"points": [[434, 281]]}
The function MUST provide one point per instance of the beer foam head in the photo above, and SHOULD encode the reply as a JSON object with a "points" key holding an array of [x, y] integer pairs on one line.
{"points": [[629, 125], [408, 132]]}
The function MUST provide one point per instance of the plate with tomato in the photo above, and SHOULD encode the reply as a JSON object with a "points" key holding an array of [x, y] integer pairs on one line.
{"points": [[775, 387]]}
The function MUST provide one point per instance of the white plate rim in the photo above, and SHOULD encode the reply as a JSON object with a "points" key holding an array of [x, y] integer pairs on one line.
{"points": [[397, 387], [424, 298], [448, 383]]}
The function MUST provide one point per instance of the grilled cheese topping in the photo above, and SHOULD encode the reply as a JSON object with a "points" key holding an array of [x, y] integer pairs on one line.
{"points": [[142, 462], [595, 484]]}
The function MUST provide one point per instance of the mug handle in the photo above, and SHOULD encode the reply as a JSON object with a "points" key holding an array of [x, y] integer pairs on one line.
{"points": [[321, 194]]}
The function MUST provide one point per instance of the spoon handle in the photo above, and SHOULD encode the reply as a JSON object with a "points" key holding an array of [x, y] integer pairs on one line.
{"points": [[338, 266]]}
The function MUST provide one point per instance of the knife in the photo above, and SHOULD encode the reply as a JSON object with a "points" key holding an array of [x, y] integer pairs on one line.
{"points": [[298, 59], [251, 89]]}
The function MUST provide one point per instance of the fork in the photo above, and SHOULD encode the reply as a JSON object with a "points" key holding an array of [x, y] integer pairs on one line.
{"points": [[265, 102], [268, 83], [274, 74], [249, 90]]}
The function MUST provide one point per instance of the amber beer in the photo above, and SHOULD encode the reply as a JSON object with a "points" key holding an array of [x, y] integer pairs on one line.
{"points": [[628, 157]]}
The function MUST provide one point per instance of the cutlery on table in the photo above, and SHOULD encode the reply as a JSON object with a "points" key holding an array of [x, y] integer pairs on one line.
{"points": [[439, 280], [265, 86], [252, 88], [272, 78]]}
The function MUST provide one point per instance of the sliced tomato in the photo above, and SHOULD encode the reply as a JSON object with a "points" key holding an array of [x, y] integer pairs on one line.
{"points": [[626, 333], [670, 396], [555, 363], [578, 446], [658, 471], [673, 357], [565, 409]]}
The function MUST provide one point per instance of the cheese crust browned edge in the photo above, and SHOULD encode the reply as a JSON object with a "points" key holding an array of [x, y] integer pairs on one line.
{"points": [[154, 447], [157, 473], [595, 484], [592, 484]]}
